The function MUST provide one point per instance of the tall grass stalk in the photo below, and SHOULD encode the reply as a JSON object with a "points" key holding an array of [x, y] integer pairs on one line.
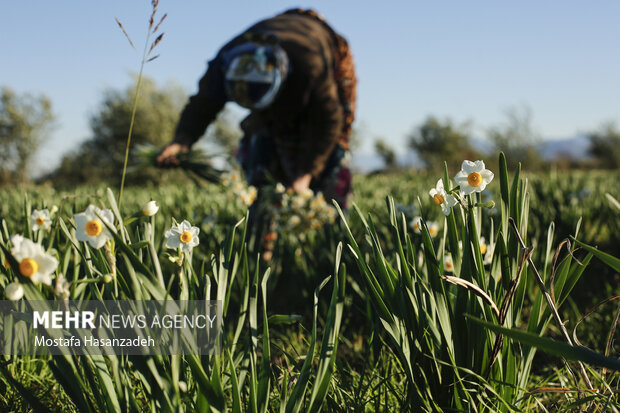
{"points": [[146, 57]]}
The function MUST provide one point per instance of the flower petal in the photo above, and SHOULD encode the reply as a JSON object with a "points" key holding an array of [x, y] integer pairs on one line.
{"points": [[47, 263], [467, 189], [172, 242], [16, 242], [107, 216], [41, 278], [487, 176], [479, 165], [184, 226], [460, 177], [98, 241], [468, 167], [451, 201], [439, 185]]}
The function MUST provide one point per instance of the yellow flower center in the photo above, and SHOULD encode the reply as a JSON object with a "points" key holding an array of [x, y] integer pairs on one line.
{"points": [[433, 231], [40, 221], [94, 228], [483, 249], [438, 199], [28, 267], [474, 179], [186, 237]]}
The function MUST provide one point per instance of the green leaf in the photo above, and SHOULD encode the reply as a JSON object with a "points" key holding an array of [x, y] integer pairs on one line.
{"points": [[236, 393], [205, 386], [284, 318], [503, 180], [329, 346], [65, 372], [558, 348], [105, 382], [608, 259], [295, 401]]}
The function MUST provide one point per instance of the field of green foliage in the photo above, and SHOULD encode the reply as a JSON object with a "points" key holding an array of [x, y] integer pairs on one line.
{"points": [[422, 296]]}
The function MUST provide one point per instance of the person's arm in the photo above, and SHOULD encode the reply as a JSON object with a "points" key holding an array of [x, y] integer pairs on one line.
{"points": [[199, 112]]}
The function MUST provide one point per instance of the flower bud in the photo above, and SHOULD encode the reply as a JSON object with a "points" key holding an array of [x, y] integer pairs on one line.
{"points": [[14, 291], [489, 205], [150, 209], [107, 278]]}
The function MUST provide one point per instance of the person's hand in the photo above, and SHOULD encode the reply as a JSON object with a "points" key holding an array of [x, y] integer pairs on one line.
{"points": [[302, 183], [168, 155]]}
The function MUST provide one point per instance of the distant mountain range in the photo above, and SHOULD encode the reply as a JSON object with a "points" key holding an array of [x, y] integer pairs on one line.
{"points": [[575, 147]]}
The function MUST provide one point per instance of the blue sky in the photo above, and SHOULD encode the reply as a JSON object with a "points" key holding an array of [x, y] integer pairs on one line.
{"points": [[468, 61]]}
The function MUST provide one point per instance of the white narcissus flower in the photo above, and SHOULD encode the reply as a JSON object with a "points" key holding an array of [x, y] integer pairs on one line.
{"points": [[235, 176], [442, 198], [14, 291], [248, 196], [34, 262], [183, 236], [294, 221], [416, 224], [318, 202], [237, 187], [40, 219], [433, 229], [473, 177], [448, 264], [91, 226], [488, 254], [150, 208], [483, 245]]}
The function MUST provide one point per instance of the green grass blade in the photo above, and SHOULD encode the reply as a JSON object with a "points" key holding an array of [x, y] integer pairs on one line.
{"points": [[558, 348], [608, 259]]}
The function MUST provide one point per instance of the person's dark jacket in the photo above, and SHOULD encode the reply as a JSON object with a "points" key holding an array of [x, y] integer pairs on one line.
{"points": [[306, 116]]}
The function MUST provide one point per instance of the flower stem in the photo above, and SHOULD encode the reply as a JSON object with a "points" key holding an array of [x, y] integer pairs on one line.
{"points": [[133, 116]]}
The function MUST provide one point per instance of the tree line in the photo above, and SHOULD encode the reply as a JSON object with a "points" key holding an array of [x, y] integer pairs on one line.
{"points": [[436, 141]]}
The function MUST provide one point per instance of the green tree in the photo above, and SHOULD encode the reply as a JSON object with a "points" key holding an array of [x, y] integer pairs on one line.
{"points": [[386, 152], [605, 146], [100, 158], [25, 123], [517, 138], [436, 141]]}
